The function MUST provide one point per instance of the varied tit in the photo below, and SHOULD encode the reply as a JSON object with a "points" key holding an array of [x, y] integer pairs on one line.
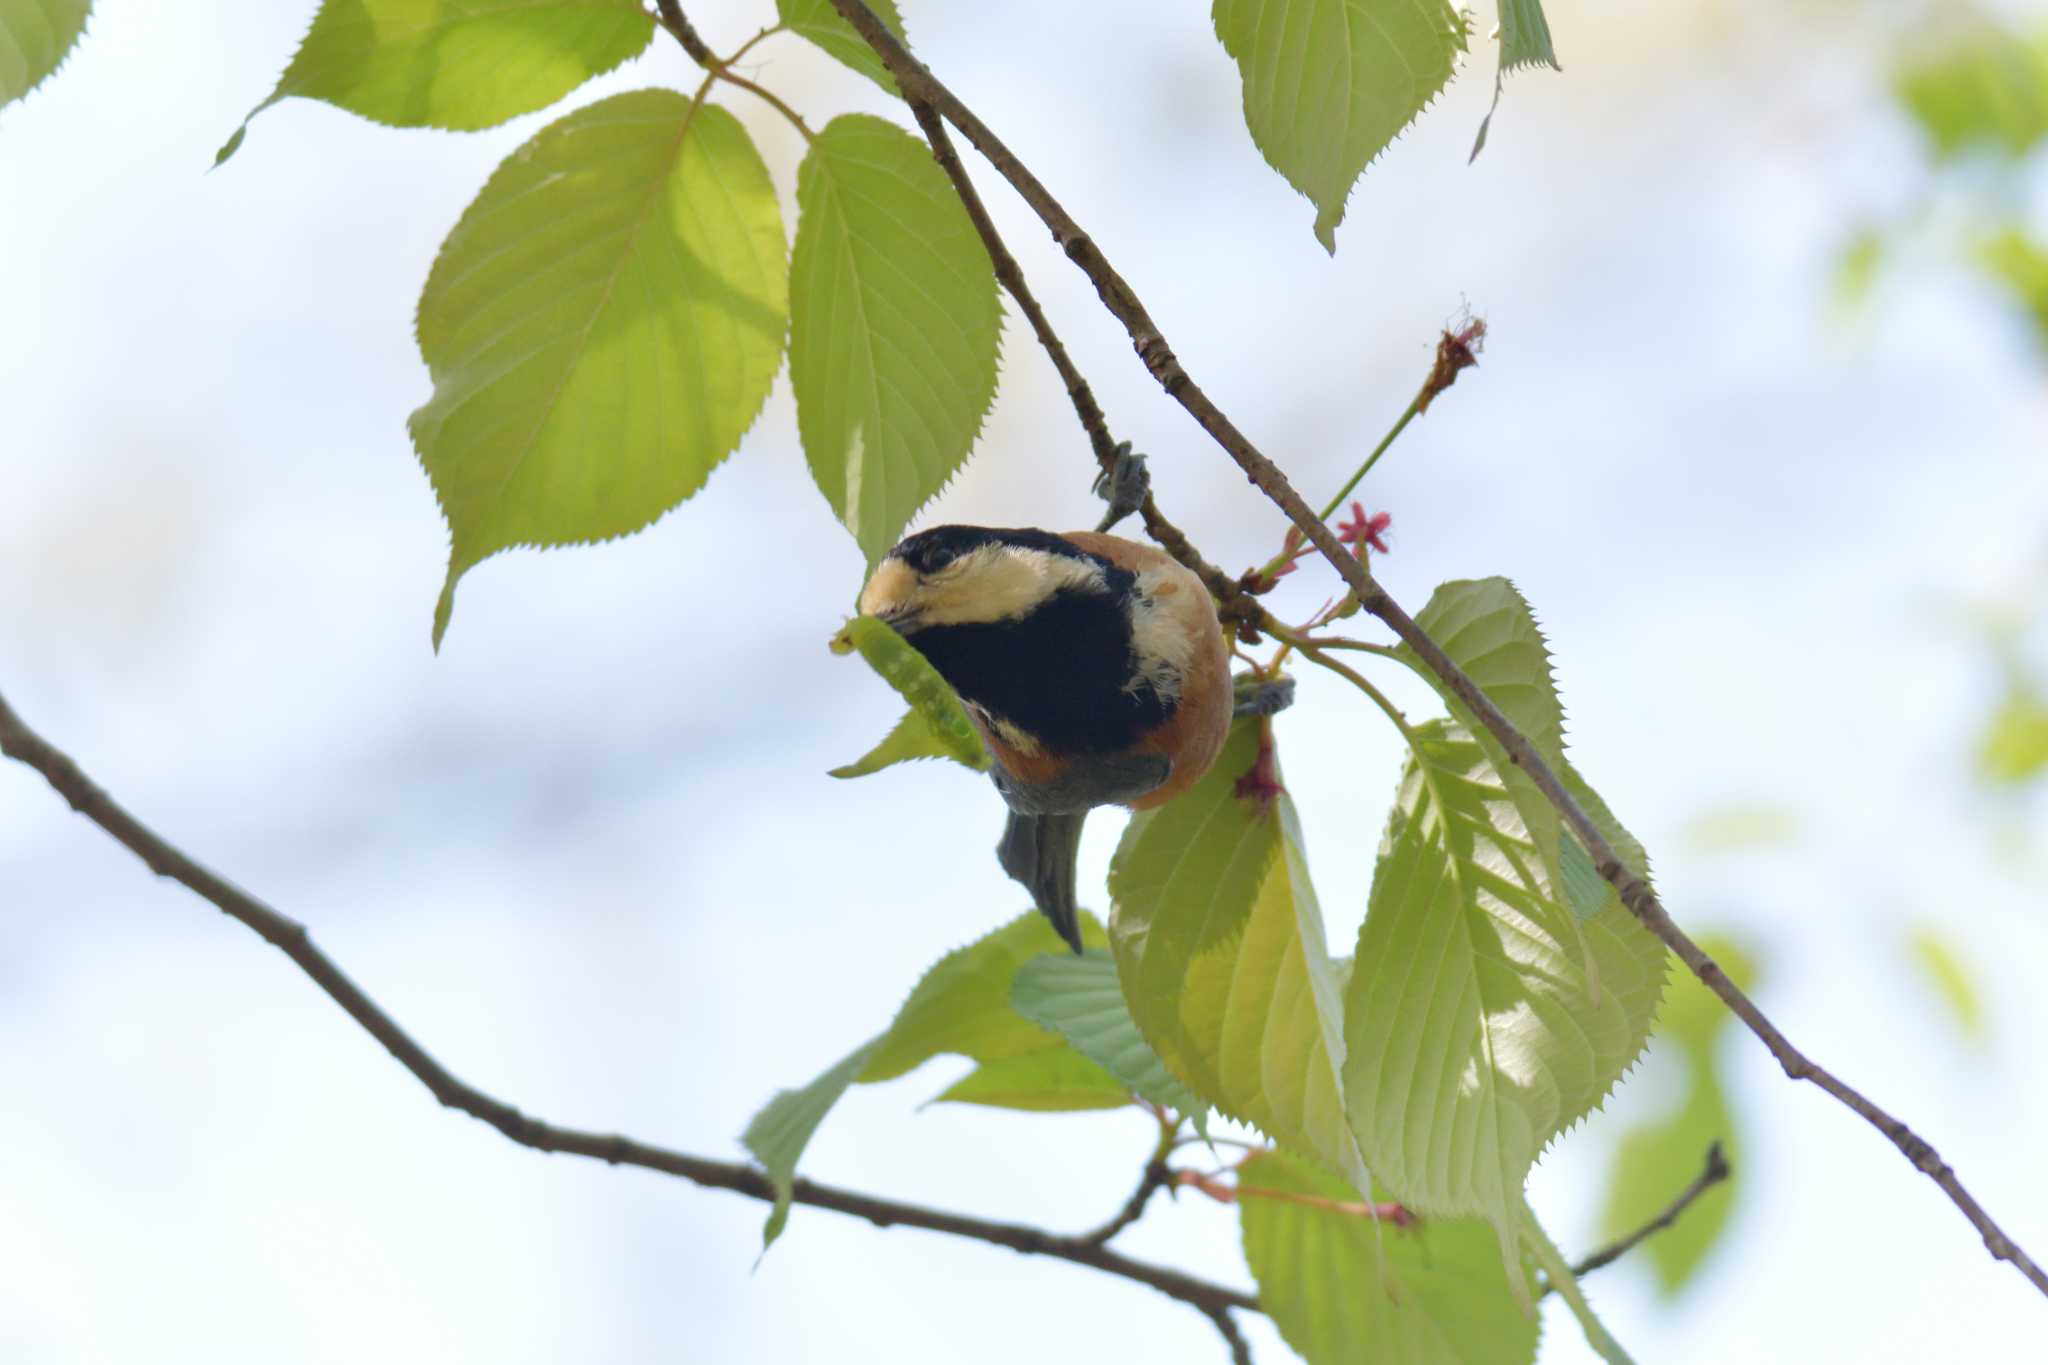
{"points": [[1093, 667]]}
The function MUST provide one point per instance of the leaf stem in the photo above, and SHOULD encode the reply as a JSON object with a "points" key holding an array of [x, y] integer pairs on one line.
{"points": [[1414, 407]]}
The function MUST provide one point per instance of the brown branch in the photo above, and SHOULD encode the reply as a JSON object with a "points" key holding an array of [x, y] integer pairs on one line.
{"points": [[1158, 1175], [19, 742], [1715, 1171], [920, 86], [1010, 275], [673, 19]]}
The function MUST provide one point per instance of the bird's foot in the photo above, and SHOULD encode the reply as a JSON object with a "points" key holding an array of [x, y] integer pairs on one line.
{"points": [[1124, 486]]}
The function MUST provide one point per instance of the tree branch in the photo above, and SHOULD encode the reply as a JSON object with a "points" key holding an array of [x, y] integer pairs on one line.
{"points": [[19, 742], [672, 18], [919, 86], [1715, 1171]]}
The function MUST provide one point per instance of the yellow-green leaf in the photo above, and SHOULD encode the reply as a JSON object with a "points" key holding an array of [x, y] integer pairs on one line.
{"points": [[893, 327], [961, 1005], [602, 327], [1943, 968], [1483, 1017], [1219, 947], [459, 64], [35, 37], [1329, 83], [1346, 1290], [818, 21]]}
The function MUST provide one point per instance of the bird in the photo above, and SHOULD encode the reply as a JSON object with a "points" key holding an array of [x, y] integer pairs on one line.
{"points": [[1093, 667]]}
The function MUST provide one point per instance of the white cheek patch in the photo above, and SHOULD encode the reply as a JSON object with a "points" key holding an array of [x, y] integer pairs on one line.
{"points": [[1002, 582], [1161, 630]]}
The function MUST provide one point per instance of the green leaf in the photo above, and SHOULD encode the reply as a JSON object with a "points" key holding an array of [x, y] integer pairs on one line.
{"points": [[2014, 746], [961, 1005], [893, 327], [1079, 999], [1219, 946], [1943, 967], [1525, 36], [602, 327], [1054, 1080], [1524, 41], [1488, 630], [1559, 1272], [458, 64], [35, 37], [1342, 1288], [819, 22], [1474, 1028], [1986, 91], [1740, 826], [778, 1134], [1657, 1160], [1329, 83], [938, 723]]}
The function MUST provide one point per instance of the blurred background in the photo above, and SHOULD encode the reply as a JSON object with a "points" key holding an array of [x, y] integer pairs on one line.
{"points": [[1759, 430]]}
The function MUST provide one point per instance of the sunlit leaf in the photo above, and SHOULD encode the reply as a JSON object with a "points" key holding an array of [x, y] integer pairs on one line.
{"points": [[961, 1005], [35, 37], [1329, 83], [893, 328], [2014, 746], [937, 726], [818, 21], [1346, 1290], [459, 64], [1943, 968], [1079, 999], [602, 327], [1486, 627], [1474, 1029], [1220, 949], [1986, 90]]}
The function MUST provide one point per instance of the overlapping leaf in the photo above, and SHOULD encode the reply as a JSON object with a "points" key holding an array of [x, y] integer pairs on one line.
{"points": [[1474, 1028], [602, 327], [459, 64], [1329, 83], [1487, 629], [35, 36], [1346, 1290], [936, 725], [894, 324], [818, 21], [1656, 1159], [1079, 999], [1220, 949], [961, 1005]]}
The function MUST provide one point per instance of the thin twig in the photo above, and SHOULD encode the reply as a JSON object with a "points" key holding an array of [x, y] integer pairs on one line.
{"points": [[1715, 1171], [1157, 1177], [19, 742], [920, 86], [1011, 276], [1240, 1350]]}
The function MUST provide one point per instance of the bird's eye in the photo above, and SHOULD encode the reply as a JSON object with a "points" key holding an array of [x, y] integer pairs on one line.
{"points": [[937, 558]]}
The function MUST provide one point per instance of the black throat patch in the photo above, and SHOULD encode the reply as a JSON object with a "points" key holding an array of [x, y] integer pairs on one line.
{"points": [[1066, 673]]}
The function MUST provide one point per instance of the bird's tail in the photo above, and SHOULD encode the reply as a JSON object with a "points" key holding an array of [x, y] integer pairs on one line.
{"points": [[1040, 851]]}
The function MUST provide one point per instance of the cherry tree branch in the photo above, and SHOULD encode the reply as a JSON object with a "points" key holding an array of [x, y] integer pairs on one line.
{"points": [[19, 742], [921, 87], [1713, 1173]]}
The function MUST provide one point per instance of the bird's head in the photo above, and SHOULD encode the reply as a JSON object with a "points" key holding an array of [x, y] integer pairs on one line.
{"points": [[976, 575]]}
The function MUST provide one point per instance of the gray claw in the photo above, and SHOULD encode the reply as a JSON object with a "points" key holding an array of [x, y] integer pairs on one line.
{"points": [[1124, 486]]}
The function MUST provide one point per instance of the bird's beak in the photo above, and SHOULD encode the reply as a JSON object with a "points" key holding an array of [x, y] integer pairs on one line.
{"points": [[887, 597]]}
